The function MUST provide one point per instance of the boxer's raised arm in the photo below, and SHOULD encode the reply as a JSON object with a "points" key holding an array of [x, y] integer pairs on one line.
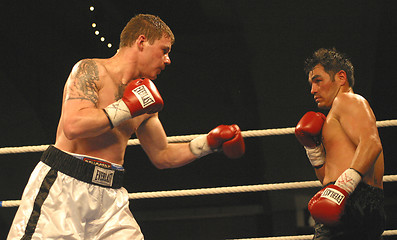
{"points": [[80, 113]]}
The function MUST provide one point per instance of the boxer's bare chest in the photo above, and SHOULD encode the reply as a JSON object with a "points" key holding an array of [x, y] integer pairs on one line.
{"points": [[334, 136], [339, 148]]}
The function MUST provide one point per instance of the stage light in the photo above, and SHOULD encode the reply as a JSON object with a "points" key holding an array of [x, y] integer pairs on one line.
{"points": [[95, 25]]}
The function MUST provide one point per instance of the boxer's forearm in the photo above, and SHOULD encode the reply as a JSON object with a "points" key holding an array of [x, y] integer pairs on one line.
{"points": [[88, 122]]}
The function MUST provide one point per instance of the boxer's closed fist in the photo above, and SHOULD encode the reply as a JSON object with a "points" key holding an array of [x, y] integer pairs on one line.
{"points": [[227, 138], [140, 96], [308, 129], [328, 205], [308, 132]]}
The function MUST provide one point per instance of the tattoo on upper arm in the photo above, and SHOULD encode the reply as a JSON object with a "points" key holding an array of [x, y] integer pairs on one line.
{"points": [[85, 83]]}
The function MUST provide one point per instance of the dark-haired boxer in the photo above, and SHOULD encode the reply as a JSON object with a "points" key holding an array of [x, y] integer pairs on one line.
{"points": [[75, 191], [345, 151]]}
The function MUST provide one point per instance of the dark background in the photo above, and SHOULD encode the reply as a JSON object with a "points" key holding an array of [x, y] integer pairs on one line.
{"points": [[233, 62]]}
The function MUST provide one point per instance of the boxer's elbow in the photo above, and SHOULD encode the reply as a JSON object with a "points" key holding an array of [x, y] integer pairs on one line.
{"points": [[372, 146], [71, 130], [377, 146], [70, 133]]}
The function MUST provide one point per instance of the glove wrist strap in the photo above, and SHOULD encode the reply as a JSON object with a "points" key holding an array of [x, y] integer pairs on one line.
{"points": [[117, 113], [316, 156], [199, 146], [349, 180]]}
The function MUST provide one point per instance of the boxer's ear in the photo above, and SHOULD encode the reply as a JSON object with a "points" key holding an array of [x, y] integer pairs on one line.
{"points": [[140, 41], [341, 77]]}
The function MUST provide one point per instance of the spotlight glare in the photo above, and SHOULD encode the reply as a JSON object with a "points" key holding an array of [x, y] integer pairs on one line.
{"points": [[93, 25], [96, 32], [92, 8], [102, 39], [109, 45]]}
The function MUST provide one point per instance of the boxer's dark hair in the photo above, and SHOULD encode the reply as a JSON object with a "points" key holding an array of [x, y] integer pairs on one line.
{"points": [[152, 27], [332, 61]]}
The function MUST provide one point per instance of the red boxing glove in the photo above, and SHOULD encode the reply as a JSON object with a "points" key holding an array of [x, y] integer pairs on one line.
{"points": [[314, 199], [229, 137], [225, 137], [140, 96], [308, 130], [328, 205], [308, 133]]}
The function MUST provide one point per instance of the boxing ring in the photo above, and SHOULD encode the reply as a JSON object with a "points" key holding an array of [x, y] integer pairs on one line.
{"points": [[217, 190]]}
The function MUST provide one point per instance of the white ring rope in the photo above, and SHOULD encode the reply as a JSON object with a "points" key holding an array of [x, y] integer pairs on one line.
{"points": [[236, 189], [187, 138], [226, 190]]}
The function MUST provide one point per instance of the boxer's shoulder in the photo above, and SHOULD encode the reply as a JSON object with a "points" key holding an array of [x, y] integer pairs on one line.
{"points": [[348, 101]]}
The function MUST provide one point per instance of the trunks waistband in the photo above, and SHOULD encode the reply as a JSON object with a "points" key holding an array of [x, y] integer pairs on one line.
{"points": [[96, 161], [82, 170]]}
